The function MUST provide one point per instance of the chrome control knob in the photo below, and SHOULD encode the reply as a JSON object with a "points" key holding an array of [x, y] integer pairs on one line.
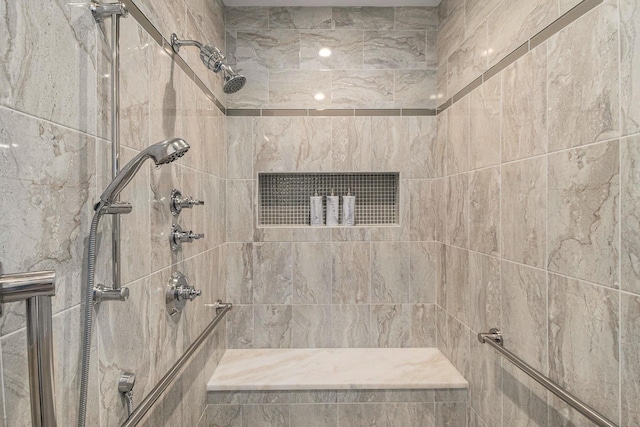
{"points": [[178, 236], [179, 292], [178, 202]]}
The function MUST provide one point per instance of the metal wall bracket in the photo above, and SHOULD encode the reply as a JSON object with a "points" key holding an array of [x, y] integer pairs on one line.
{"points": [[102, 293], [494, 335], [102, 10]]}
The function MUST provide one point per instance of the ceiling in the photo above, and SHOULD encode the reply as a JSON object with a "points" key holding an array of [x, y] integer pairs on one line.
{"points": [[315, 3]]}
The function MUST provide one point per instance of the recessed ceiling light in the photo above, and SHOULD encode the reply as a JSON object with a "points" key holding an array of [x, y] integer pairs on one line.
{"points": [[319, 96], [325, 52]]}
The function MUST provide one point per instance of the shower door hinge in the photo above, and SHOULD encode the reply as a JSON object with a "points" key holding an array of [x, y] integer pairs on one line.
{"points": [[102, 10]]}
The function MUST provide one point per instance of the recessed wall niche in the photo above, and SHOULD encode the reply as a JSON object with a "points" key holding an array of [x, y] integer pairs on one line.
{"points": [[283, 197]]}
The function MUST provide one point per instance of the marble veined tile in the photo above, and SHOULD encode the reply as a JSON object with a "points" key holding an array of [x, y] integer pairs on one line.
{"points": [[363, 18], [134, 84], [484, 211], [314, 415], [426, 151], [512, 23], [390, 144], [524, 106], [50, 71], [272, 273], [270, 49], [397, 49], [484, 279], [468, 61], [335, 369], [630, 65], [416, 18], [630, 358], [167, 17], [254, 94], [48, 172], [362, 89], [239, 147], [351, 143], [524, 312], [458, 137], [450, 33], [312, 273], [484, 125], [389, 272], [415, 89], [351, 272], [272, 326], [252, 18], [350, 325], [456, 283], [582, 213], [630, 221], [303, 18], [586, 51], [584, 319], [523, 211], [457, 208], [300, 89], [476, 11], [345, 46]]}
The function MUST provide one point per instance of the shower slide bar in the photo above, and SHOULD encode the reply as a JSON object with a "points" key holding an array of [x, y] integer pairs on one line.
{"points": [[495, 339], [144, 407], [36, 289]]}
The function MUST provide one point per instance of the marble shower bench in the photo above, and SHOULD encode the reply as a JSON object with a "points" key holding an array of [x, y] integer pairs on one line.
{"points": [[336, 387]]}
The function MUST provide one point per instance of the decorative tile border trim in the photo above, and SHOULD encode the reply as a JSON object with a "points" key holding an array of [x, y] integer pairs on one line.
{"points": [[166, 45], [346, 112], [546, 33]]}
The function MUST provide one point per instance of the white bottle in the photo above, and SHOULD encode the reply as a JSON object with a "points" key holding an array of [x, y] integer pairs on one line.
{"points": [[348, 209], [333, 209], [315, 205]]}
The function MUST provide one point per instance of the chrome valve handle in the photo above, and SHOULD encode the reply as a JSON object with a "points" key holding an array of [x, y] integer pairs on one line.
{"points": [[178, 202], [179, 292], [178, 236]]}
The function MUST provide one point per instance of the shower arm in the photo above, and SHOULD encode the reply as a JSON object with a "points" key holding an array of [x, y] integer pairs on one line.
{"points": [[176, 43]]}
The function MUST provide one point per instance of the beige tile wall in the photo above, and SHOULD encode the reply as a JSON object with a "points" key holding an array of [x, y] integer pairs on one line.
{"points": [[381, 57], [540, 232], [55, 161]]}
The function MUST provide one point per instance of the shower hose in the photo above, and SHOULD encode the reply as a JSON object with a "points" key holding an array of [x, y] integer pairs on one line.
{"points": [[88, 315]]}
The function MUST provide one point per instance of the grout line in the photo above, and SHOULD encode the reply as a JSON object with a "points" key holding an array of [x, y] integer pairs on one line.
{"points": [[621, 145]]}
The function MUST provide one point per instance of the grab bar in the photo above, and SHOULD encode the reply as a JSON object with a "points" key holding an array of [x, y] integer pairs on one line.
{"points": [[37, 289], [495, 339], [147, 403]]}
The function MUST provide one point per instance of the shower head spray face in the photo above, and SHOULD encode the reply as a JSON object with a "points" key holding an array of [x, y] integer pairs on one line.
{"points": [[161, 153], [233, 81]]}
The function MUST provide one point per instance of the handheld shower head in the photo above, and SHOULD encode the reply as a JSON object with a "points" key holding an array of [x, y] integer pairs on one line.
{"points": [[213, 59], [161, 153]]}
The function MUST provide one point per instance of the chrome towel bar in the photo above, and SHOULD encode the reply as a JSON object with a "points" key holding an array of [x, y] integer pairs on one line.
{"points": [[154, 395], [495, 339], [36, 289]]}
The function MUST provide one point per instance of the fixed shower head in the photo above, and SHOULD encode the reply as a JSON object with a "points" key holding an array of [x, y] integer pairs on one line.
{"points": [[213, 59], [161, 153], [233, 81]]}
